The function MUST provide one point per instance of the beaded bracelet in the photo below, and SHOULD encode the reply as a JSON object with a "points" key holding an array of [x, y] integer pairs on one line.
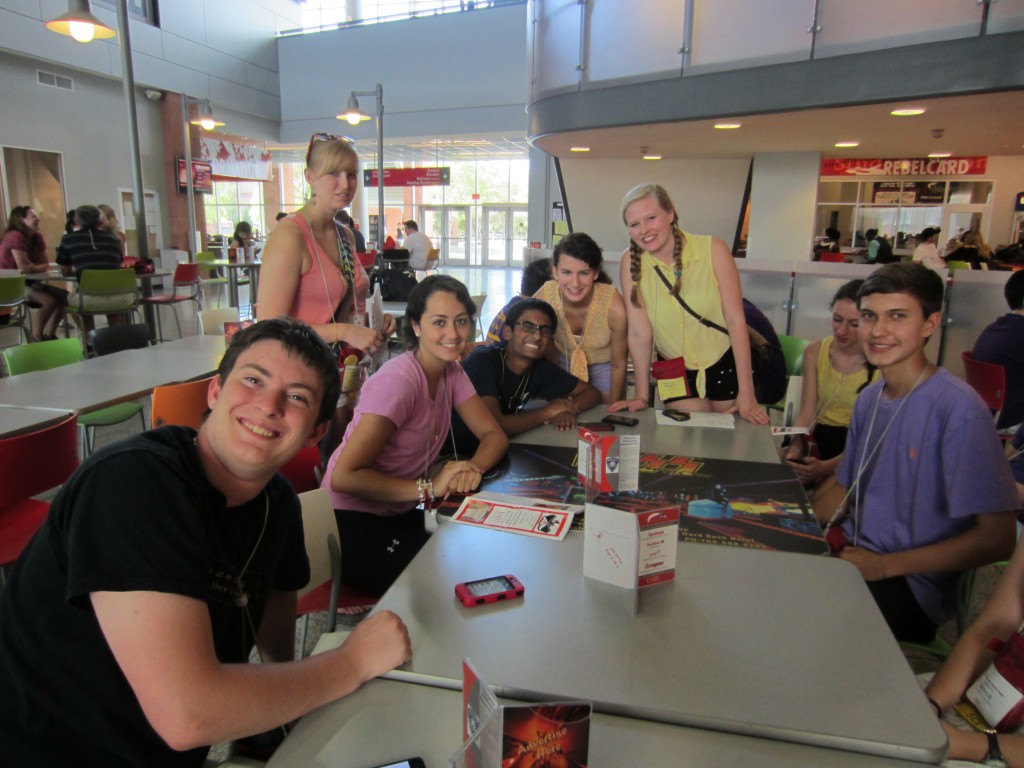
{"points": [[425, 489]]}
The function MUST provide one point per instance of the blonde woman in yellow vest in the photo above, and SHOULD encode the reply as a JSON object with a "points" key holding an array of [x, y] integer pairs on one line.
{"points": [[590, 342], [700, 270]]}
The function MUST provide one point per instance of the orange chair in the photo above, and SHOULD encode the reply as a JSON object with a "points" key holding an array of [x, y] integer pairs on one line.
{"points": [[988, 380], [29, 465], [181, 404], [186, 277]]}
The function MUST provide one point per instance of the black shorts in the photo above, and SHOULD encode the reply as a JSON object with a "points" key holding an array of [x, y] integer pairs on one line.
{"points": [[721, 380]]}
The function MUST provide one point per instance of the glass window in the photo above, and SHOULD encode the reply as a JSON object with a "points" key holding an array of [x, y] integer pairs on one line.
{"points": [[970, 192], [232, 202]]}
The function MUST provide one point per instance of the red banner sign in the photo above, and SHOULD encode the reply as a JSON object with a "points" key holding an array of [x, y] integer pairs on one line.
{"points": [[922, 166], [410, 177], [202, 176]]}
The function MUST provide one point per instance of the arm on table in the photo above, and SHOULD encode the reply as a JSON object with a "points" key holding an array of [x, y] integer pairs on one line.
{"points": [[164, 645], [354, 473], [638, 342], [732, 308], [26, 266], [465, 476], [988, 540]]}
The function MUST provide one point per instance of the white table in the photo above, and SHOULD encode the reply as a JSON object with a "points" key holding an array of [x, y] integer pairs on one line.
{"points": [[746, 442], [17, 420], [790, 647], [233, 268], [386, 721], [102, 381]]}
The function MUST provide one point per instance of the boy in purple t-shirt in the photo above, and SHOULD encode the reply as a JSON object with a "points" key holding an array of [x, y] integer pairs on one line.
{"points": [[929, 492]]}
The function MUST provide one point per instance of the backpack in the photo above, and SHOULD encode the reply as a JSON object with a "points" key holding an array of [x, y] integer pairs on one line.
{"points": [[885, 255], [395, 284]]}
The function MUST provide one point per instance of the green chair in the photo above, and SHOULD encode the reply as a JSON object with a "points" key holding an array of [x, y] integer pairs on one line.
{"points": [[13, 292], [954, 265], [215, 278], [44, 355], [793, 349], [103, 292]]}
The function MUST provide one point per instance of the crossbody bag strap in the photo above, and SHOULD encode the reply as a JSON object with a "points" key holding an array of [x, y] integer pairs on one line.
{"points": [[699, 318]]}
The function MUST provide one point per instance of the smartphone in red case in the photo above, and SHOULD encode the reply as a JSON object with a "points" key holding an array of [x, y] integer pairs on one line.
{"points": [[492, 590]]}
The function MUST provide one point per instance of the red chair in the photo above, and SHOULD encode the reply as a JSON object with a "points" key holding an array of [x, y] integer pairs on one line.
{"points": [[835, 258], [304, 471], [988, 380], [29, 465], [186, 277], [367, 259]]}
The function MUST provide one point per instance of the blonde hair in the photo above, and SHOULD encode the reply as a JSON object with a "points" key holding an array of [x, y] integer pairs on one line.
{"points": [[110, 216], [974, 238], [642, 192], [329, 156]]}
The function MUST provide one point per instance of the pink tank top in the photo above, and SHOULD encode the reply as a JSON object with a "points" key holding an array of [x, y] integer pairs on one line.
{"points": [[324, 287]]}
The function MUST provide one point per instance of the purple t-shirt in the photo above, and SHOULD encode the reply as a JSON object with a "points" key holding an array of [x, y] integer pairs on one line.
{"points": [[939, 465], [398, 392], [1002, 343]]}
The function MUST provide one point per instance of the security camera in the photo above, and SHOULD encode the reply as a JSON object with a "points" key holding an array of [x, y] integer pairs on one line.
{"points": [[154, 95], [938, 133]]}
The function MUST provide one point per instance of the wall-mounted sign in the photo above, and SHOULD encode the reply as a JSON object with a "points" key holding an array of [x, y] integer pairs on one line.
{"points": [[202, 176], [908, 192], [922, 166], [235, 159], [410, 177]]}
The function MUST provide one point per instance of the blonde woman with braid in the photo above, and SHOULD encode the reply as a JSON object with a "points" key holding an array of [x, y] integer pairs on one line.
{"points": [[697, 270]]}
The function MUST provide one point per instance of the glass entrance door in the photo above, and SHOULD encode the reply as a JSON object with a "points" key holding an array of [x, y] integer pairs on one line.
{"points": [[959, 219], [505, 235], [447, 227]]}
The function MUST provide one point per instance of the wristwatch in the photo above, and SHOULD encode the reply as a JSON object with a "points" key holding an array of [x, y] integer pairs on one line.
{"points": [[994, 757]]}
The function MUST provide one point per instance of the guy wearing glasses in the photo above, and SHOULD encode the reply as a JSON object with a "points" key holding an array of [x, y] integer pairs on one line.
{"points": [[507, 376]]}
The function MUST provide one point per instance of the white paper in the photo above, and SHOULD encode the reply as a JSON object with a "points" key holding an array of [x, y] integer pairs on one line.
{"points": [[611, 548], [699, 419]]}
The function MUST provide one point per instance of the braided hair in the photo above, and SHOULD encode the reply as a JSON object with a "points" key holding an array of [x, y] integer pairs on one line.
{"points": [[661, 197]]}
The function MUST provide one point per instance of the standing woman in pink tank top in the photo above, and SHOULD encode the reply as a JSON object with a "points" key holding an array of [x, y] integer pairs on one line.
{"points": [[309, 269]]}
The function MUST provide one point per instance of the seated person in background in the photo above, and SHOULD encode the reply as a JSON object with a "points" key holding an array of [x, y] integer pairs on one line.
{"points": [[1001, 617], [509, 375], [343, 217], [535, 274], [23, 247], [241, 238], [144, 622], [1002, 342], [929, 490], [109, 223], [89, 246], [831, 243], [384, 466], [835, 372], [590, 341], [879, 249], [927, 252], [973, 250], [417, 244]]}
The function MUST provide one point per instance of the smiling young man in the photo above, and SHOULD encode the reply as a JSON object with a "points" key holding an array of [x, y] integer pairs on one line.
{"points": [[929, 490], [507, 376], [126, 628]]}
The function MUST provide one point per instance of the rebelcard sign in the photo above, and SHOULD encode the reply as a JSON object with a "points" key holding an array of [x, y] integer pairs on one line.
{"points": [[918, 166]]}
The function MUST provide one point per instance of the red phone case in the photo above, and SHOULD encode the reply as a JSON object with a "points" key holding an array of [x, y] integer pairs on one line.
{"points": [[468, 599]]}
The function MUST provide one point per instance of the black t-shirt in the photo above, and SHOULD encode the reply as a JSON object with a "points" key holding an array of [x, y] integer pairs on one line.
{"points": [[486, 368], [137, 516]]}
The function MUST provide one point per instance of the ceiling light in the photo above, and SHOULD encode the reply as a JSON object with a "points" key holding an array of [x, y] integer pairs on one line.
{"points": [[202, 115], [940, 154], [579, 149], [847, 144], [80, 24], [652, 157], [728, 126], [907, 112], [353, 115]]}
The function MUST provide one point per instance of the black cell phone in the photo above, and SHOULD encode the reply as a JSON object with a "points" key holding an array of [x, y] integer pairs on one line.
{"points": [[596, 426], [676, 415], [800, 460], [412, 762], [625, 421]]}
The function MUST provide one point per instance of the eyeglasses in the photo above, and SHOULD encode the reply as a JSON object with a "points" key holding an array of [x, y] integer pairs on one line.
{"points": [[322, 137], [531, 328]]}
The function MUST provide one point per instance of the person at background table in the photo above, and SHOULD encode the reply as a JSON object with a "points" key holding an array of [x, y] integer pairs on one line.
{"points": [[535, 274], [126, 635], [700, 270], [90, 246], [928, 492], [344, 218], [384, 465], [23, 247], [879, 249], [927, 252], [241, 238], [509, 375], [1002, 343], [309, 270], [418, 245], [590, 341], [109, 223], [835, 372], [973, 249]]}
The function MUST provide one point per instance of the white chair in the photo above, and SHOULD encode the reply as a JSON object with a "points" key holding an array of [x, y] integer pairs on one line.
{"points": [[211, 321], [480, 299]]}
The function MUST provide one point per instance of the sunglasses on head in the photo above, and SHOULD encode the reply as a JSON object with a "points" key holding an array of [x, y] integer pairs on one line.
{"points": [[321, 137]]}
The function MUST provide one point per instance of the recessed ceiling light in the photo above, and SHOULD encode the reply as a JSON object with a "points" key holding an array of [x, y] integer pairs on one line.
{"points": [[579, 149], [847, 144], [940, 154], [652, 157], [907, 112], [727, 126]]}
